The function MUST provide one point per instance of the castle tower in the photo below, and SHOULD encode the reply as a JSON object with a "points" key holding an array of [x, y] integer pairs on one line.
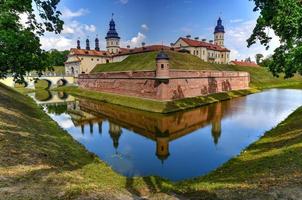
{"points": [[219, 33], [87, 44], [162, 65], [112, 38], [97, 44], [78, 44]]}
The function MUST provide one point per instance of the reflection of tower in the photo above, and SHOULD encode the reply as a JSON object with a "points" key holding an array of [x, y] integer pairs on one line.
{"points": [[162, 148], [115, 132], [100, 127], [216, 130], [82, 129], [216, 123], [91, 127]]}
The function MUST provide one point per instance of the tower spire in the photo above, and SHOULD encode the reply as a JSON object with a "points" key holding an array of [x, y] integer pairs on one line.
{"points": [[97, 44], [87, 44], [78, 44]]}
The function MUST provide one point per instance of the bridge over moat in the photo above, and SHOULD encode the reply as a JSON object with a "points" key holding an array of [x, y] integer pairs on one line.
{"points": [[52, 78]]}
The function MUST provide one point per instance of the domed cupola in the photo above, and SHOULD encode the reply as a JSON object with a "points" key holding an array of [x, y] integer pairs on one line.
{"points": [[112, 31], [219, 33], [112, 39], [162, 56], [219, 28]]}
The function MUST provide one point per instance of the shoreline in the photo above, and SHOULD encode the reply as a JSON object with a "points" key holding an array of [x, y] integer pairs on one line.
{"points": [[163, 107], [43, 155]]}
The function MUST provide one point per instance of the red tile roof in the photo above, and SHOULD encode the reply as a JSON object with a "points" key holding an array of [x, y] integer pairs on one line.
{"points": [[84, 52], [197, 43], [244, 63]]}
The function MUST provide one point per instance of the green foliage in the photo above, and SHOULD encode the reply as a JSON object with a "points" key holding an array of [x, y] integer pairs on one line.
{"points": [[19, 45], [258, 57], [56, 58], [57, 109], [285, 18]]}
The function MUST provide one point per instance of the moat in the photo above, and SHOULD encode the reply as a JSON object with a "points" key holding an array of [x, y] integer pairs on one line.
{"points": [[177, 146]]}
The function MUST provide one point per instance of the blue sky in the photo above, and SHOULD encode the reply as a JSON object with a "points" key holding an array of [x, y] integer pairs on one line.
{"points": [[157, 21]]}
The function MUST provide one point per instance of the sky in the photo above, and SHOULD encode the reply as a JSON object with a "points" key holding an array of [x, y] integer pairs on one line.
{"points": [[157, 22]]}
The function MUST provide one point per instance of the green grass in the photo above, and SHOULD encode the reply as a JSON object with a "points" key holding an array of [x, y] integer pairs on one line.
{"points": [[39, 160], [42, 84], [153, 105]]}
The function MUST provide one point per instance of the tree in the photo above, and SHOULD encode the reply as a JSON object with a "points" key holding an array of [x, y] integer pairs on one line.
{"points": [[56, 58], [20, 50], [258, 57], [285, 18], [266, 62]]}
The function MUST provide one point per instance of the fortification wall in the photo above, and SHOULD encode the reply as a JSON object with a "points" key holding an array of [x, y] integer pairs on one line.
{"points": [[181, 84]]}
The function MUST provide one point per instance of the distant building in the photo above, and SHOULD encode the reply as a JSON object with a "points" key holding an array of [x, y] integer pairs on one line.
{"points": [[212, 51]]}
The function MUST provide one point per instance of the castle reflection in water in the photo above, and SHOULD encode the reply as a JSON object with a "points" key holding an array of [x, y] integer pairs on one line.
{"points": [[162, 129]]}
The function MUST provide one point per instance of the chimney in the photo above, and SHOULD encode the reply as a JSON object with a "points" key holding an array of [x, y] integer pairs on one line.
{"points": [[97, 45], [128, 46], [78, 44], [211, 41], [196, 38], [204, 40], [87, 44], [188, 36]]}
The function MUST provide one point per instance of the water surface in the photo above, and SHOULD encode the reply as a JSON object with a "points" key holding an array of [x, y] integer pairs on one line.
{"points": [[177, 146]]}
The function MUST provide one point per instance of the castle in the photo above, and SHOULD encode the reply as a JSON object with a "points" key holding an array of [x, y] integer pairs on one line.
{"points": [[82, 61], [163, 83]]}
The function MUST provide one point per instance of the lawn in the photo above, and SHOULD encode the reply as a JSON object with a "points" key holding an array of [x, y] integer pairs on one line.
{"points": [[39, 160]]}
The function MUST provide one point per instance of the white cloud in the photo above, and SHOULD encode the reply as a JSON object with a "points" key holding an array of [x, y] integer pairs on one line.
{"points": [[123, 1], [237, 35], [72, 30], [236, 20], [90, 28], [68, 14], [56, 42], [136, 41], [23, 19], [144, 27]]}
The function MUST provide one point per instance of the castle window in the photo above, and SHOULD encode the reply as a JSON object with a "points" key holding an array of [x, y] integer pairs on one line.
{"points": [[221, 55], [196, 52], [91, 59], [162, 66], [82, 58], [98, 59]]}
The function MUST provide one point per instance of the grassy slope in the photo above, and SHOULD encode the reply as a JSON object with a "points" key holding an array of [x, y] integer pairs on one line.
{"points": [[40, 160], [260, 77]]}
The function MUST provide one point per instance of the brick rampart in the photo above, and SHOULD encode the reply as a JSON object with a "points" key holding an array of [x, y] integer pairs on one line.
{"points": [[180, 84]]}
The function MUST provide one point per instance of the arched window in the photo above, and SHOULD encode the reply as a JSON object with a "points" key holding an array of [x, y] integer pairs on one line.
{"points": [[72, 70], [162, 66]]}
